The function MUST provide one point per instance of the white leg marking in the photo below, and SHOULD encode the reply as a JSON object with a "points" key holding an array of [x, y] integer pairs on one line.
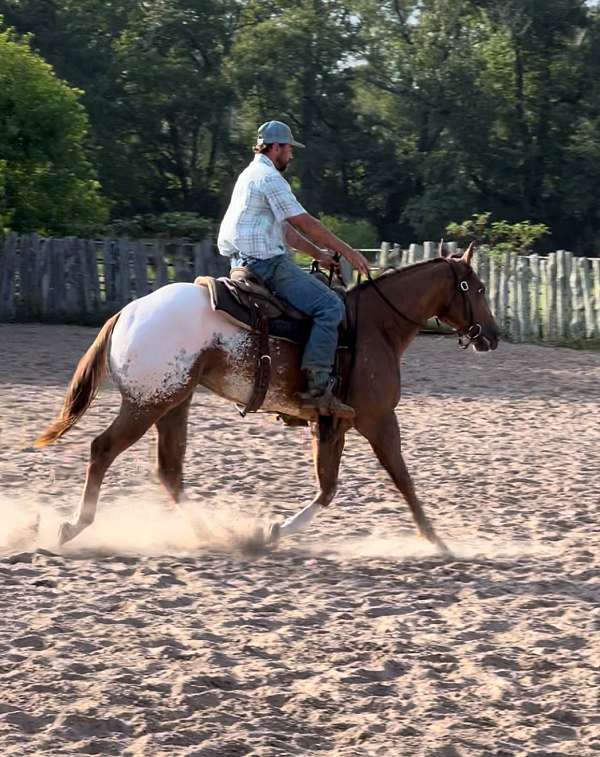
{"points": [[299, 521]]}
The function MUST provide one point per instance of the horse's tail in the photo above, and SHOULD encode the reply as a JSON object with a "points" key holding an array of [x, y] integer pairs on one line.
{"points": [[83, 387]]}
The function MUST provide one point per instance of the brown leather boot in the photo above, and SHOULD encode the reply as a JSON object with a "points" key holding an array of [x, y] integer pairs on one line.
{"points": [[319, 397]]}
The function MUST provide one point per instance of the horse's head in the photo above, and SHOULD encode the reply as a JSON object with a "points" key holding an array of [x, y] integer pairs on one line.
{"points": [[468, 310]]}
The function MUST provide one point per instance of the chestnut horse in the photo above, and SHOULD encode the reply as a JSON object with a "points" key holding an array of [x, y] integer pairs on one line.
{"points": [[160, 347]]}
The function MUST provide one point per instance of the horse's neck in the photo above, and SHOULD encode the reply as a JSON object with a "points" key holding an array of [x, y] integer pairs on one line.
{"points": [[418, 293]]}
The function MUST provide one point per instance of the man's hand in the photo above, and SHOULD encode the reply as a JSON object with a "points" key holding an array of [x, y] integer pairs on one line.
{"points": [[329, 260], [358, 261], [315, 231]]}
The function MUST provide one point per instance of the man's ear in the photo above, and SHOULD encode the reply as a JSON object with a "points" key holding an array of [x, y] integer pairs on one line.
{"points": [[468, 255]]}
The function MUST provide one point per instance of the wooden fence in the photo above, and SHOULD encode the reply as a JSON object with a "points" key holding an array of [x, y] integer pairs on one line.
{"points": [[552, 299], [84, 280]]}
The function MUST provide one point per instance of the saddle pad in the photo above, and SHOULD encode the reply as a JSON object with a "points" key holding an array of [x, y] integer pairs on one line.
{"points": [[223, 299]]}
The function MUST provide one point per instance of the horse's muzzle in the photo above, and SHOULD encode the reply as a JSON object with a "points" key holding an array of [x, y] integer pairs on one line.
{"points": [[485, 342]]}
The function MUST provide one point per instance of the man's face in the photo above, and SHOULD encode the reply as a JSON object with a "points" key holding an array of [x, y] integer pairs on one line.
{"points": [[281, 156]]}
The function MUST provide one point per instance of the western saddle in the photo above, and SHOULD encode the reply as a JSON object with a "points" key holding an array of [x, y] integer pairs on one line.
{"points": [[248, 303]]}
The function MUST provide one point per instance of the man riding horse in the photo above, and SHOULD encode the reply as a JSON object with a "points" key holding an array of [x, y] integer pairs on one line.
{"points": [[263, 223]]}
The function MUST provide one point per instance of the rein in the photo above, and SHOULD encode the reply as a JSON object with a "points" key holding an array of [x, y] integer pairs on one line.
{"points": [[465, 338], [388, 302]]}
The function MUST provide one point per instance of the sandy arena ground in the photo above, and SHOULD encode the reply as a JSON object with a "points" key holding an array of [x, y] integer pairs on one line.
{"points": [[354, 639]]}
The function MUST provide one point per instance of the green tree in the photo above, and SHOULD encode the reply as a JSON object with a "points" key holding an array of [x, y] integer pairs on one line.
{"points": [[296, 61], [498, 236], [48, 181], [172, 61], [484, 100]]}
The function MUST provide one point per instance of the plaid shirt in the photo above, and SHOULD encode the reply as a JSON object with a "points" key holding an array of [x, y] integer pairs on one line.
{"points": [[254, 224]]}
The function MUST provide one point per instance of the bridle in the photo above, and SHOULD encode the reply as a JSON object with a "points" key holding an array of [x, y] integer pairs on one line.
{"points": [[474, 330], [466, 337]]}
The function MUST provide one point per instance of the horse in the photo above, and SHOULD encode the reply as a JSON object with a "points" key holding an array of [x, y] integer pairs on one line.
{"points": [[160, 347]]}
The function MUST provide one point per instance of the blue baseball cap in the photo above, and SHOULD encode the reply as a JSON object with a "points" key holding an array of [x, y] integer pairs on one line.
{"points": [[272, 132]]}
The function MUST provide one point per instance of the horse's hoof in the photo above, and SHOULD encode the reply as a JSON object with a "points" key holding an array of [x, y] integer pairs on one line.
{"points": [[445, 551], [65, 534], [438, 543], [273, 534], [442, 547]]}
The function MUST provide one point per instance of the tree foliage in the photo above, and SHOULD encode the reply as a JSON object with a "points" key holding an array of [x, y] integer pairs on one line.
{"points": [[47, 182], [416, 112], [498, 236]]}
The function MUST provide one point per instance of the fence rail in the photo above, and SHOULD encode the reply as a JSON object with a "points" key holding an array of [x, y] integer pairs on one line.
{"points": [[555, 298]]}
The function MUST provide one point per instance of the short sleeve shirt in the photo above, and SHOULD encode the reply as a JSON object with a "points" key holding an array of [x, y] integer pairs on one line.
{"points": [[254, 224]]}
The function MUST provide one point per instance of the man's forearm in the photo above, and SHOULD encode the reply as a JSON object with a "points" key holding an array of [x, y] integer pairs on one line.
{"points": [[298, 242], [313, 229]]}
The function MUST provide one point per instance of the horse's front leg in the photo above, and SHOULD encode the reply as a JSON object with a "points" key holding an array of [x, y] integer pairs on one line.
{"points": [[328, 435], [384, 437]]}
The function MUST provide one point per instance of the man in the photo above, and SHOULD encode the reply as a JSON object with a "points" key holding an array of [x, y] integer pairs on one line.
{"points": [[263, 222]]}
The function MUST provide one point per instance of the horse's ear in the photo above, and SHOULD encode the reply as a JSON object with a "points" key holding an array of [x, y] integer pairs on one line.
{"points": [[468, 255], [442, 249]]}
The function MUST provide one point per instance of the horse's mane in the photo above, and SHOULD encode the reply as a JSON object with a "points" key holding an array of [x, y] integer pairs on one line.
{"points": [[397, 270]]}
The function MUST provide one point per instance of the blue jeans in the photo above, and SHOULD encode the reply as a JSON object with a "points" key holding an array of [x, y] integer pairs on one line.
{"points": [[306, 293]]}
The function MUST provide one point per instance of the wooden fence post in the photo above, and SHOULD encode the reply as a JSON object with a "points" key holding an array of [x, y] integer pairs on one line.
{"points": [[140, 268], [596, 290], [550, 315], [587, 303], [522, 278], [110, 288], [57, 289], [8, 265], [24, 265], [429, 250], [160, 263], [492, 286], [415, 253], [503, 294], [34, 253], [181, 262], [563, 295], [91, 276], [396, 255], [535, 289], [202, 262], [384, 252], [513, 313], [577, 321], [541, 298], [124, 275], [483, 267], [74, 303]]}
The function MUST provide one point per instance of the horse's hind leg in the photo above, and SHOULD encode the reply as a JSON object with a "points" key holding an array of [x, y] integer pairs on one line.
{"points": [[172, 440], [328, 437], [130, 425], [384, 437]]}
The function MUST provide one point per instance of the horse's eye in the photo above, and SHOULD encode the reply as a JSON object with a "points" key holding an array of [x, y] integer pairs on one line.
{"points": [[481, 290]]}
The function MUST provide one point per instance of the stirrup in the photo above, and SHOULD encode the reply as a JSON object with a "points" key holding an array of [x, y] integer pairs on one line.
{"points": [[291, 421], [325, 403]]}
